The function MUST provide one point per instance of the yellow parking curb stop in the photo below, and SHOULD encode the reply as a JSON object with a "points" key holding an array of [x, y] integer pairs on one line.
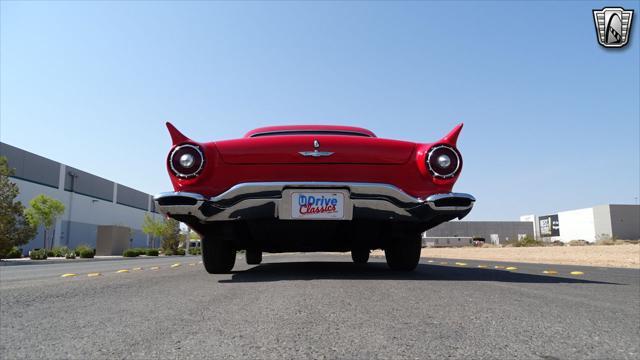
{"points": [[136, 269], [122, 271], [550, 272], [154, 268], [68, 275], [175, 265], [576, 273], [512, 268], [93, 274], [461, 264]]}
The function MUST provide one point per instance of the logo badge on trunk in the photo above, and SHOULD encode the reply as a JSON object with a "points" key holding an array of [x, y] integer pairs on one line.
{"points": [[315, 153]]}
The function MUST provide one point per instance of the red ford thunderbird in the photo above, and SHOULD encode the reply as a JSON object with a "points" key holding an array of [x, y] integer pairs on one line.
{"points": [[312, 188]]}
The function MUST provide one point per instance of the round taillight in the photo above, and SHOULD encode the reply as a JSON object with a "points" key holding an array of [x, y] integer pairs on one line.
{"points": [[186, 160], [443, 161]]}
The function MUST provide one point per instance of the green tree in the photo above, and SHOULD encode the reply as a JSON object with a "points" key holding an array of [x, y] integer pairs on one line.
{"points": [[171, 238], [15, 229], [166, 229], [44, 210], [154, 228]]}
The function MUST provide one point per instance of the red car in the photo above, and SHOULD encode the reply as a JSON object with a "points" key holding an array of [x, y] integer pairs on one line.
{"points": [[312, 188]]}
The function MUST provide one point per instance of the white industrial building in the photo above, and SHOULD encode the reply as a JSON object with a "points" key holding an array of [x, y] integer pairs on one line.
{"points": [[89, 200], [590, 224]]}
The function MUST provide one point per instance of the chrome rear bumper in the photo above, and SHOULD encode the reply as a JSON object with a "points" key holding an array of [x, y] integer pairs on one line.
{"points": [[264, 201]]}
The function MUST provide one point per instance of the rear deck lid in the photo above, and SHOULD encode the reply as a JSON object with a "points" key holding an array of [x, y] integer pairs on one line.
{"points": [[315, 149]]}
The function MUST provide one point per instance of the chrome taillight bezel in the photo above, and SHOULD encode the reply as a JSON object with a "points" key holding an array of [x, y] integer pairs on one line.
{"points": [[197, 152], [451, 151]]}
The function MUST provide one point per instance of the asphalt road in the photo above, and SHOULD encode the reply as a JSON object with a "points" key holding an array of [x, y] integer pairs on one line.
{"points": [[318, 306]]}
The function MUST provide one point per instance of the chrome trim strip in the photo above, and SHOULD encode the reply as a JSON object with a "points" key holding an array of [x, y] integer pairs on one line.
{"points": [[180, 209], [374, 189], [372, 196], [178, 193], [430, 200], [315, 153]]}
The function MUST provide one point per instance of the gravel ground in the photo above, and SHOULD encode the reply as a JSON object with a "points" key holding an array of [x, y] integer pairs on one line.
{"points": [[317, 306], [622, 256]]}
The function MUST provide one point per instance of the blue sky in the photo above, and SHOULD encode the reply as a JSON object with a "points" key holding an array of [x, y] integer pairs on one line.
{"points": [[552, 119]]}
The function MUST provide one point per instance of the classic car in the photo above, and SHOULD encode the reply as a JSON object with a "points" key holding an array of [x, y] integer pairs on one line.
{"points": [[307, 188]]}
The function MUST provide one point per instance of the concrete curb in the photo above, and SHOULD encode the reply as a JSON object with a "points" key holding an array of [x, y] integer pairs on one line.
{"points": [[18, 262]]}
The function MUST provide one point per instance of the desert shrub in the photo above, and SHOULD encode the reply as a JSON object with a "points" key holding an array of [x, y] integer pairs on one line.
{"points": [[79, 248], [577, 243], [87, 253], [180, 252], [59, 251], [152, 252], [130, 253], [168, 252], [14, 253], [606, 242], [195, 251], [613, 242], [485, 245], [71, 254], [138, 251], [528, 241], [39, 254]]}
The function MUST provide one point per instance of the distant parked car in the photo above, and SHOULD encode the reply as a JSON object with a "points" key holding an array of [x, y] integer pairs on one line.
{"points": [[312, 188], [478, 241]]}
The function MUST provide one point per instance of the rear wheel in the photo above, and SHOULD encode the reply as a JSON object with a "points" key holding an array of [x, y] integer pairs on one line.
{"points": [[254, 256], [360, 256], [403, 252], [218, 254]]}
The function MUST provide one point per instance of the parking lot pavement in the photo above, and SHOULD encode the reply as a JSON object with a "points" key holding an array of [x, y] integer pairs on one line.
{"points": [[318, 305], [36, 270]]}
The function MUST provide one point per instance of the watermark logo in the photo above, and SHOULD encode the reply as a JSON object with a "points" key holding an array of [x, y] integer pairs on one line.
{"points": [[613, 26], [310, 204]]}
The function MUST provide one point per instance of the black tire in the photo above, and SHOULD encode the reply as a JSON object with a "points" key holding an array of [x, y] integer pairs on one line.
{"points": [[360, 256], [253, 256], [218, 255], [403, 253]]}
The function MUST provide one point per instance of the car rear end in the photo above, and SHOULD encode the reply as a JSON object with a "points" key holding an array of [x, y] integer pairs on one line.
{"points": [[313, 188]]}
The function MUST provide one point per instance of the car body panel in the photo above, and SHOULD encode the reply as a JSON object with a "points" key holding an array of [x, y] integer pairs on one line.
{"points": [[332, 149], [278, 158]]}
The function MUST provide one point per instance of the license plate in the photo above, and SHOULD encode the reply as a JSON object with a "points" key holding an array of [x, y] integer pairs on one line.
{"points": [[317, 205]]}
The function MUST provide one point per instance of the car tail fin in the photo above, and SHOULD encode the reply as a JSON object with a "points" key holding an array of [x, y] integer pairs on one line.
{"points": [[176, 136], [452, 137]]}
